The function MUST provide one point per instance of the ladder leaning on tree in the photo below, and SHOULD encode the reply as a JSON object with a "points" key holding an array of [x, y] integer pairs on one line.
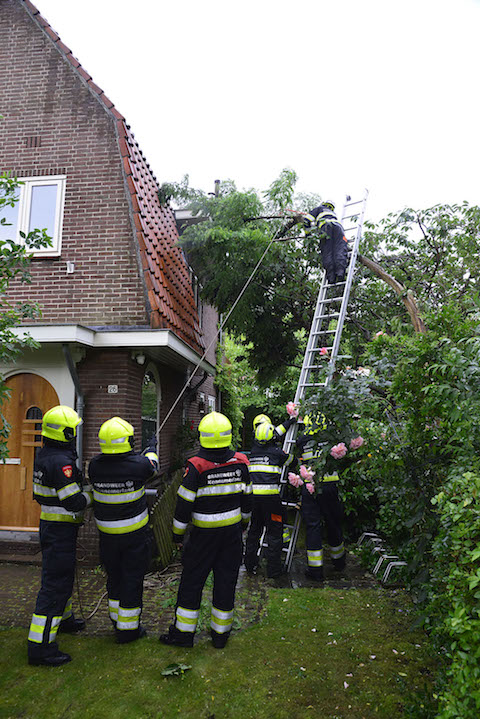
{"points": [[331, 305]]}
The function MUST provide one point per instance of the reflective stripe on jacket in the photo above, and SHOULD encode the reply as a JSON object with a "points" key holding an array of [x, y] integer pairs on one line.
{"points": [[265, 469], [215, 491], [118, 482], [57, 483]]}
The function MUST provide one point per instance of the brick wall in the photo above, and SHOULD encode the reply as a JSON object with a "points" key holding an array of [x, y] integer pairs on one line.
{"points": [[43, 97]]}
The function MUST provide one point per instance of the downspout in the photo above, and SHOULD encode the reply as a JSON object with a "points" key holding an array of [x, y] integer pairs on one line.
{"points": [[80, 401]]}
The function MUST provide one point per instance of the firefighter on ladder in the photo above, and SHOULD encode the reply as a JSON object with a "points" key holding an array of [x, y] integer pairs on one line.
{"points": [[57, 487], [317, 509], [333, 244], [265, 468], [118, 476], [216, 496]]}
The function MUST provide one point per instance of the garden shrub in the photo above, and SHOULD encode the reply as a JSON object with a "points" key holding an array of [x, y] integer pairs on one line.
{"points": [[453, 614]]}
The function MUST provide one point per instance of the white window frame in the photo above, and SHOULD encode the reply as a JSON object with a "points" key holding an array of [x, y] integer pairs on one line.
{"points": [[212, 403], [24, 208]]}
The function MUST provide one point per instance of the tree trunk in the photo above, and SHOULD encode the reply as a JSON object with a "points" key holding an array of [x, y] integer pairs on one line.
{"points": [[405, 295]]}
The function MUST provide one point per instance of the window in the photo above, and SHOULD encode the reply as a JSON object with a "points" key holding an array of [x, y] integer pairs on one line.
{"points": [[150, 407], [40, 206], [196, 287], [211, 403], [32, 426]]}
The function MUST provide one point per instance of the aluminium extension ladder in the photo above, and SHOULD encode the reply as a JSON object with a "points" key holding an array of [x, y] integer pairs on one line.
{"points": [[332, 301]]}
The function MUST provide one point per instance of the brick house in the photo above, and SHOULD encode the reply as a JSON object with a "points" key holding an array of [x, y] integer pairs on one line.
{"points": [[122, 328]]}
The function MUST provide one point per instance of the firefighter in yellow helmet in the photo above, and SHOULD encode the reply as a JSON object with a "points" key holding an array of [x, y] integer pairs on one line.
{"points": [[321, 509], [279, 431], [118, 475], [265, 468], [215, 497], [58, 488]]}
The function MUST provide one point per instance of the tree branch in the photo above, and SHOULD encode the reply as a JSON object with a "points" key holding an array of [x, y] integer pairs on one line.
{"points": [[406, 296]]}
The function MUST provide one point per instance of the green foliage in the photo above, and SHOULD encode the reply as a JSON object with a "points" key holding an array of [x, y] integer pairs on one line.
{"points": [[425, 420], [225, 251], [237, 381], [186, 438], [14, 265], [177, 669], [243, 396], [453, 614], [433, 253]]}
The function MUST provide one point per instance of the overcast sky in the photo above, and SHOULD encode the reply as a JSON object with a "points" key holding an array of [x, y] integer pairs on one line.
{"points": [[350, 94]]}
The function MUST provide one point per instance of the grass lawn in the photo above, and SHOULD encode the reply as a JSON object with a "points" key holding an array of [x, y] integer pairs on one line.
{"points": [[315, 653]]}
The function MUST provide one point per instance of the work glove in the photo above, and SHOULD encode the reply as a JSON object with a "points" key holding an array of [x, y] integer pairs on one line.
{"points": [[87, 491]]}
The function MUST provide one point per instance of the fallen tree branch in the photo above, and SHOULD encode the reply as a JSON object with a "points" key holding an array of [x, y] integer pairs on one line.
{"points": [[406, 296]]}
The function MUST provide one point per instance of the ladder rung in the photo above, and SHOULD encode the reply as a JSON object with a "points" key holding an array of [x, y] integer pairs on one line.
{"points": [[333, 299], [324, 317], [323, 332]]}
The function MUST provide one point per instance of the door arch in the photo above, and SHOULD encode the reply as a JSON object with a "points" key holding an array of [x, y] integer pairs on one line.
{"points": [[30, 397]]}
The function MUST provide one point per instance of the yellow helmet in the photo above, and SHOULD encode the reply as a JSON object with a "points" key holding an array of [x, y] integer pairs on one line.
{"points": [[261, 418], [329, 204], [215, 431], [264, 432], [115, 435], [60, 423], [318, 419]]}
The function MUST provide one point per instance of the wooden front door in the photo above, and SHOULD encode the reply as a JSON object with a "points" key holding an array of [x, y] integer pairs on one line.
{"points": [[30, 397]]}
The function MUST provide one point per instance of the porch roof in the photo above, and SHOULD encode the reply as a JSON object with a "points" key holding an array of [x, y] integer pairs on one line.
{"points": [[161, 344]]}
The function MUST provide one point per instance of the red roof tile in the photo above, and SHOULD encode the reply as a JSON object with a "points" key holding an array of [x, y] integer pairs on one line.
{"points": [[165, 270]]}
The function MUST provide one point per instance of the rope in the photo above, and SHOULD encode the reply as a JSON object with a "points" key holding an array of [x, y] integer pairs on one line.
{"points": [[242, 292]]}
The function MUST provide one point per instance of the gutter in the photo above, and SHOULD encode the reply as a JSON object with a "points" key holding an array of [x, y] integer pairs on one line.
{"points": [[80, 401]]}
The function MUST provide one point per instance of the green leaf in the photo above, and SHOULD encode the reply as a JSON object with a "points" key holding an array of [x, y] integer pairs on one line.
{"points": [[175, 670]]}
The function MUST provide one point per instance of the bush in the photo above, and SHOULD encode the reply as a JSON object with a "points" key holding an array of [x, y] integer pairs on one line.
{"points": [[453, 615]]}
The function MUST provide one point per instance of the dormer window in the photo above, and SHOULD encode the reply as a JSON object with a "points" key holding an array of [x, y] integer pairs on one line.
{"points": [[39, 206]]}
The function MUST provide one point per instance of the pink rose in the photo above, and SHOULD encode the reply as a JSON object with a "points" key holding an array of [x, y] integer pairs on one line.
{"points": [[310, 487], [339, 450], [356, 443], [294, 479], [306, 473], [323, 351], [292, 410]]}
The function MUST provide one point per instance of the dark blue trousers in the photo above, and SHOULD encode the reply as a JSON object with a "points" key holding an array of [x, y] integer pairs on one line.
{"points": [[58, 541]]}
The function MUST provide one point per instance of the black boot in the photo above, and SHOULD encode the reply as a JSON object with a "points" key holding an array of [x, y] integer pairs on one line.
{"points": [[176, 638], [339, 564], [125, 636], [71, 625], [219, 641], [55, 660], [315, 574]]}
